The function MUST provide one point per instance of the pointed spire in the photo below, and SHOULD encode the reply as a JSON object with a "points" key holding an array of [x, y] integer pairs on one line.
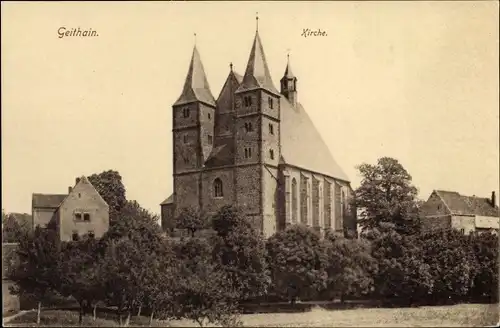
{"points": [[257, 72], [196, 86], [288, 70], [257, 21]]}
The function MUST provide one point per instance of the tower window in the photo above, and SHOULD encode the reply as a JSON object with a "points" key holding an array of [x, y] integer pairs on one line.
{"points": [[186, 160], [271, 153], [248, 126], [185, 112], [248, 152], [248, 101], [270, 101], [218, 192], [78, 216], [185, 138], [75, 236], [210, 140], [209, 116], [271, 128], [86, 217]]}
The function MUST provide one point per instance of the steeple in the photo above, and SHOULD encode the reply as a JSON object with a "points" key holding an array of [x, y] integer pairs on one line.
{"points": [[257, 72], [196, 86], [289, 84]]}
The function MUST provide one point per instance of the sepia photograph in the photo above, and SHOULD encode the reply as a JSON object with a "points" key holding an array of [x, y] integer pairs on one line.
{"points": [[250, 163]]}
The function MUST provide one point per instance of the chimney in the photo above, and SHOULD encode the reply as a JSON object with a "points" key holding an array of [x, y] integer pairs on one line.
{"points": [[493, 199], [70, 189]]}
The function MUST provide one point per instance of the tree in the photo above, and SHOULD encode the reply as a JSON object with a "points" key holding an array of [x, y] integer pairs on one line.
{"points": [[386, 194], [350, 266], [11, 230], [202, 291], [402, 275], [79, 274], [191, 220], [36, 273], [110, 186], [241, 251], [297, 259], [485, 282]]}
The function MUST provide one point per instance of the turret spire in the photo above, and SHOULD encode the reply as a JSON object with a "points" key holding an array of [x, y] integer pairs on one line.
{"points": [[257, 72], [289, 82], [196, 87]]}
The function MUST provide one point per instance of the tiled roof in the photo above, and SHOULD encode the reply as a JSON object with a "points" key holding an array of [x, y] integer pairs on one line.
{"points": [[221, 155], [169, 200], [302, 145], [196, 86], [468, 205], [23, 219], [257, 73], [47, 201]]}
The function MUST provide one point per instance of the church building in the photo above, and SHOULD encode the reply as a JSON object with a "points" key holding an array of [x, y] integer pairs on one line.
{"points": [[256, 148]]}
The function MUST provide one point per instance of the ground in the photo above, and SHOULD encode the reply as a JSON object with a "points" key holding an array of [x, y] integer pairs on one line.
{"points": [[462, 315]]}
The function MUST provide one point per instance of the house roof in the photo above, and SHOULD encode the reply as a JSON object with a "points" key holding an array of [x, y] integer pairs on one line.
{"points": [[302, 144], [257, 72], [196, 87], [23, 219], [468, 205], [169, 200], [48, 200]]}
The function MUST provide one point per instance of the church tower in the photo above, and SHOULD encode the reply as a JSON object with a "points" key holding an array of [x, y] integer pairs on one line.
{"points": [[257, 140], [193, 133], [289, 84]]}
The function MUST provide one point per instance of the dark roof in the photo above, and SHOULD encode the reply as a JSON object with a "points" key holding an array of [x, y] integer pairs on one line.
{"points": [[288, 70], [221, 155], [468, 205], [169, 200], [23, 219], [257, 73], [196, 86], [47, 201]]}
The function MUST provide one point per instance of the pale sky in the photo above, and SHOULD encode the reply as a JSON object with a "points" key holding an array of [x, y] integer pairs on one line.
{"points": [[417, 81]]}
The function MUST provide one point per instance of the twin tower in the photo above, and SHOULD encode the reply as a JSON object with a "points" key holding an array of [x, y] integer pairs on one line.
{"points": [[243, 149]]}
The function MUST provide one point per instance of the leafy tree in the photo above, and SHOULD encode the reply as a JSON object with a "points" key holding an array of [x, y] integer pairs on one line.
{"points": [[191, 220], [241, 251], [452, 264], [350, 266], [402, 275], [297, 259], [386, 194], [11, 229], [36, 273], [485, 283], [201, 289], [79, 274], [110, 186]]}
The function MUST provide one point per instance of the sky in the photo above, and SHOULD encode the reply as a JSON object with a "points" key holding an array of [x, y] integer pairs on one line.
{"points": [[417, 81]]}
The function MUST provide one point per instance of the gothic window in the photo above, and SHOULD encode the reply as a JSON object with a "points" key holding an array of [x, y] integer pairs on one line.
{"points": [[248, 152], [271, 128], [185, 112], [218, 188], [294, 200], [210, 140], [248, 127], [270, 100], [271, 153], [248, 101]]}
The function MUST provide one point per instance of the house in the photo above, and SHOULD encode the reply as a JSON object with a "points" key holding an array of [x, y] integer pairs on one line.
{"points": [[80, 212], [256, 148], [449, 209]]}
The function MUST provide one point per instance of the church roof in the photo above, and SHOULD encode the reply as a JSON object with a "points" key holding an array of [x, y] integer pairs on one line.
{"points": [[196, 87], [302, 145], [257, 72]]}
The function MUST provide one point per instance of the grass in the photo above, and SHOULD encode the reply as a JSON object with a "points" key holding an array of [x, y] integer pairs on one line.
{"points": [[462, 315]]}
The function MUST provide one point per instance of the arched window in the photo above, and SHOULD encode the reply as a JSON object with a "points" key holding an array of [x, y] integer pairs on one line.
{"points": [[218, 188], [294, 201]]}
